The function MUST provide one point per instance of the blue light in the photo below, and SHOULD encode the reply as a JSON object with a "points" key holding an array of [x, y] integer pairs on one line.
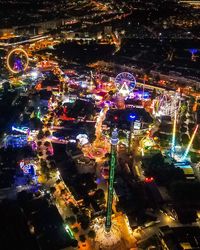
{"points": [[193, 51], [23, 130], [132, 117]]}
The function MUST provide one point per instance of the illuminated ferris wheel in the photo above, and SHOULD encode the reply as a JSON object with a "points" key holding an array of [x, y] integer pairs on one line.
{"points": [[17, 60], [125, 83]]}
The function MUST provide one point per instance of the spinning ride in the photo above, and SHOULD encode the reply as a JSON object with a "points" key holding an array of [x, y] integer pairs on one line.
{"points": [[17, 60], [166, 105]]}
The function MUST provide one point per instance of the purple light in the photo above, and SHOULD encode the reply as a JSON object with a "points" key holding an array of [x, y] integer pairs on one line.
{"points": [[18, 65]]}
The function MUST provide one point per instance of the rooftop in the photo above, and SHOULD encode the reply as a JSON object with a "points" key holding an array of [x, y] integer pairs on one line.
{"points": [[180, 237]]}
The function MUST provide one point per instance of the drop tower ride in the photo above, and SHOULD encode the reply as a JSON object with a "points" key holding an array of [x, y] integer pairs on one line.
{"points": [[113, 162]]}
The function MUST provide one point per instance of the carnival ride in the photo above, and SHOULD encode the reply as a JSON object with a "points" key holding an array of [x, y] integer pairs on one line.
{"points": [[180, 158], [17, 60], [166, 105], [174, 154], [125, 83]]}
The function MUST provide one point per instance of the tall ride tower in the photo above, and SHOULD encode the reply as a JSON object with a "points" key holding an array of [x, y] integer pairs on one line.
{"points": [[108, 235], [114, 141], [174, 136]]}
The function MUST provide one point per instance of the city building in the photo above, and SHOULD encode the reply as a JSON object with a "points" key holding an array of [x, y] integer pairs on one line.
{"points": [[175, 238]]}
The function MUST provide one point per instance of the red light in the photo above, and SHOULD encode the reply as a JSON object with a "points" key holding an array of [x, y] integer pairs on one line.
{"points": [[149, 179], [65, 110], [115, 118]]}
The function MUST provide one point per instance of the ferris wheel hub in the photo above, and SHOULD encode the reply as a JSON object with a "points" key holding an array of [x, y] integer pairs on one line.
{"points": [[125, 83]]}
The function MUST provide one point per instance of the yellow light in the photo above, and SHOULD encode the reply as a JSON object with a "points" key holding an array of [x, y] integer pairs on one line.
{"points": [[11, 53]]}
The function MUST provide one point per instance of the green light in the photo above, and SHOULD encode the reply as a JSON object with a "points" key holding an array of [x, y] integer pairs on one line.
{"points": [[38, 114], [110, 188], [113, 161], [69, 231]]}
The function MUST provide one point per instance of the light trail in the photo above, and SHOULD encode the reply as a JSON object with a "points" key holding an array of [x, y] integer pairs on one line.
{"points": [[190, 143], [174, 136]]}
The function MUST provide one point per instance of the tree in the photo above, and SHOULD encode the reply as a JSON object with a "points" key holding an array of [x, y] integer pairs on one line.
{"points": [[75, 229], [40, 154], [183, 118], [35, 123], [74, 243], [122, 135], [40, 135], [44, 170], [52, 190], [43, 163], [84, 220], [163, 172], [75, 209], [82, 238], [153, 95], [47, 133], [183, 108], [92, 234], [52, 164], [191, 127], [47, 144], [185, 139], [183, 129], [196, 143], [63, 191], [71, 219], [58, 181], [48, 153], [50, 158], [99, 194], [195, 157]]}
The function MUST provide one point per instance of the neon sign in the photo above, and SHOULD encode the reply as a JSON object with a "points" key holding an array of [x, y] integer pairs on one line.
{"points": [[23, 130], [27, 168]]}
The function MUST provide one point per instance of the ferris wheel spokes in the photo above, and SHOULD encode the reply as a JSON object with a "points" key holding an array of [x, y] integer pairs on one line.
{"points": [[125, 83]]}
